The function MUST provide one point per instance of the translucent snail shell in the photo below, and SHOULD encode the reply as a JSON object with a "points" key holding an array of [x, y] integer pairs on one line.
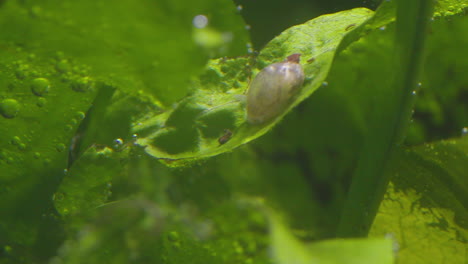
{"points": [[271, 91]]}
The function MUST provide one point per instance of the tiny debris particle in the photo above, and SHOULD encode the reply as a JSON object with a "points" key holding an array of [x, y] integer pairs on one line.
{"points": [[350, 27], [225, 137]]}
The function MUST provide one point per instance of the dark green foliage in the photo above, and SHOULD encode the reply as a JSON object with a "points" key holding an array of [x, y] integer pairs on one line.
{"points": [[123, 136]]}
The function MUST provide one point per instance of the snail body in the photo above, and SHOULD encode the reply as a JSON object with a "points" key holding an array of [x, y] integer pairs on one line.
{"points": [[271, 91]]}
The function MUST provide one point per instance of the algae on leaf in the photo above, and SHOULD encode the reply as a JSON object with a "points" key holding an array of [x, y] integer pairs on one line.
{"points": [[424, 208], [191, 130]]}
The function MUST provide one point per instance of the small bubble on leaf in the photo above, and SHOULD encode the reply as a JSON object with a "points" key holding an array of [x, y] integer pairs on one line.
{"points": [[40, 86], [15, 140], [60, 147], [83, 84], [80, 115], [9, 108], [62, 66], [41, 102]]}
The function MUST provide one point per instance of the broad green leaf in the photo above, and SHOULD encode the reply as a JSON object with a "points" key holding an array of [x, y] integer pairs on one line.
{"points": [[389, 111], [87, 183], [41, 110], [135, 45], [55, 56], [425, 207], [192, 129], [441, 110], [288, 250]]}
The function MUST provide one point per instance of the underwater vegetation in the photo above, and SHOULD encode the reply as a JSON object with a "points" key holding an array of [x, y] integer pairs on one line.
{"points": [[142, 131]]}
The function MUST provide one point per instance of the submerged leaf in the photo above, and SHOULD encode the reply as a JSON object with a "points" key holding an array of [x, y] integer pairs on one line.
{"points": [[191, 130], [288, 250], [425, 206]]}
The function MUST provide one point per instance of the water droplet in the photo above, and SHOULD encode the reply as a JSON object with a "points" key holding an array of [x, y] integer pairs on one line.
{"points": [[9, 108], [22, 146], [37, 155], [60, 147], [239, 8], [41, 102], [10, 160], [68, 128], [80, 115], [248, 27], [173, 236], [200, 21], [40, 86], [15, 140], [325, 84], [22, 71], [413, 92], [383, 28], [83, 84], [62, 66], [419, 84], [464, 131]]}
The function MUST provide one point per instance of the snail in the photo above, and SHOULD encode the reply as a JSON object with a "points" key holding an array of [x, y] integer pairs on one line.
{"points": [[271, 91]]}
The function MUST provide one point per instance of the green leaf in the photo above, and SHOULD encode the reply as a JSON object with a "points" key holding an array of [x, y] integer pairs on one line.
{"points": [[389, 113], [147, 49], [40, 112], [87, 183], [55, 56], [425, 205], [192, 129], [286, 249]]}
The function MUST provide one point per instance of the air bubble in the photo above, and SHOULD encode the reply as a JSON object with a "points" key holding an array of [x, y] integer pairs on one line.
{"points": [[464, 131], [200, 21], [60, 147], [40, 86], [80, 115], [22, 71], [63, 66], [41, 102], [9, 108], [15, 141], [83, 84]]}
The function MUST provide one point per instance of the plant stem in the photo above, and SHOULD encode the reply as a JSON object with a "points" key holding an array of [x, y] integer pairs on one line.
{"points": [[370, 180]]}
